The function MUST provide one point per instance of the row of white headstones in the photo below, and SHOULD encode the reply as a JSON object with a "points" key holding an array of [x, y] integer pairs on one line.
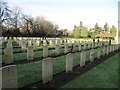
{"points": [[9, 73], [8, 51]]}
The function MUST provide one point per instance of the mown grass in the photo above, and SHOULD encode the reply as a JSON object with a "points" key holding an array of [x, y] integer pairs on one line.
{"points": [[31, 72], [104, 75]]}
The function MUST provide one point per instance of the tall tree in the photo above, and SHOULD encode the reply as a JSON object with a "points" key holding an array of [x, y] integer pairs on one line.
{"points": [[76, 32], [84, 32], [113, 30], [106, 28], [4, 14], [97, 29]]}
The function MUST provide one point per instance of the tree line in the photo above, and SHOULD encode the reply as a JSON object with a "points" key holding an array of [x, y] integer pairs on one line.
{"points": [[14, 23], [82, 31]]}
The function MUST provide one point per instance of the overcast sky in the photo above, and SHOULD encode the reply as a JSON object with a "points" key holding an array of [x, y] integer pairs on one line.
{"points": [[67, 13]]}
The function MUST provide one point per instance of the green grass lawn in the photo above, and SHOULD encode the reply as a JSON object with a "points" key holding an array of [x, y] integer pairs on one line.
{"points": [[31, 72], [104, 75]]}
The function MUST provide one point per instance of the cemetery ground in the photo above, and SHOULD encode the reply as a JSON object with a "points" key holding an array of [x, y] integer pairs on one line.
{"points": [[100, 74], [92, 75]]}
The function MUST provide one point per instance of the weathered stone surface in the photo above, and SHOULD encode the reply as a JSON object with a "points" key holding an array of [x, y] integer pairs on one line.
{"points": [[69, 62], [8, 52], [82, 60], [29, 43], [24, 45], [9, 44], [30, 53], [47, 70], [9, 76], [79, 47], [45, 51], [92, 55]]}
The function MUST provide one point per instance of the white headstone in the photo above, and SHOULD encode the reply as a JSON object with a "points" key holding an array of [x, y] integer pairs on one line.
{"points": [[53, 43], [29, 43], [82, 60], [45, 51], [35, 45], [38, 42], [79, 47], [92, 55], [47, 70], [24, 45], [9, 77], [9, 44], [74, 47], [69, 62], [8, 52], [30, 53]]}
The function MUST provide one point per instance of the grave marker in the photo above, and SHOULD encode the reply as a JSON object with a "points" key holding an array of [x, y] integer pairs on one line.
{"points": [[8, 52], [30, 53], [45, 51], [92, 55], [82, 60], [47, 70], [9, 76], [69, 62]]}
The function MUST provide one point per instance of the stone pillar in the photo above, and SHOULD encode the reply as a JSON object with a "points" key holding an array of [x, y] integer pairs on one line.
{"points": [[8, 52], [47, 70], [92, 55], [82, 60], [9, 77], [117, 37], [45, 51], [30, 53], [69, 62]]}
